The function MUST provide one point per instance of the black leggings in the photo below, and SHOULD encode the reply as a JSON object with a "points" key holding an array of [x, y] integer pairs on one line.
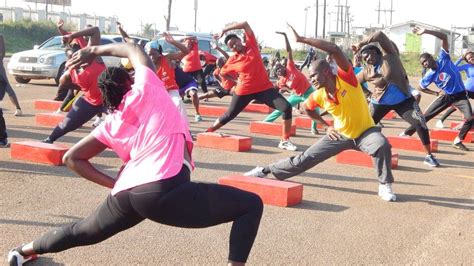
{"points": [[198, 75], [3, 127], [81, 112], [470, 94], [270, 97], [458, 100], [176, 202], [410, 111]]}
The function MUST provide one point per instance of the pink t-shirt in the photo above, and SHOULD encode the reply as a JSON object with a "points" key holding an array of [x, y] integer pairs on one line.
{"points": [[147, 132]]}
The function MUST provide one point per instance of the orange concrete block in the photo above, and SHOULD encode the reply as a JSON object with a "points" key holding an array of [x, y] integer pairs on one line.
{"points": [[449, 135], [361, 159], [49, 119], [410, 143], [224, 142], [390, 115], [209, 110], [269, 128], [258, 108], [305, 122], [455, 124], [47, 105], [271, 191], [38, 152]]}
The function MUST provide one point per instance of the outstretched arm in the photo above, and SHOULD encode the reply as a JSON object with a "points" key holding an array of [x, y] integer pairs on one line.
{"points": [[59, 27], [131, 51], [444, 38], [183, 50], [328, 47], [224, 53], [124, 34], [379, 37], [287, 45], [93, 32], [237, 26]]}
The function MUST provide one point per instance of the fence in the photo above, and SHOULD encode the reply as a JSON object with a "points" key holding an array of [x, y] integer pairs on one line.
{"points": [[105, 24]]}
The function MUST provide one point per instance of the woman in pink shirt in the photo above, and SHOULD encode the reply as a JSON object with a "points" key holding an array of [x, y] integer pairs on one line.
{"points": [[147, 132]]}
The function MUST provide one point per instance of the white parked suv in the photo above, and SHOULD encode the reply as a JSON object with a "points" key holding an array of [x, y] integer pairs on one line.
{"points": [[47, 61]]}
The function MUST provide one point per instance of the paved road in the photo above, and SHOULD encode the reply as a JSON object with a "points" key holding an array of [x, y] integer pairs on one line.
{"points": [[341, 220]]}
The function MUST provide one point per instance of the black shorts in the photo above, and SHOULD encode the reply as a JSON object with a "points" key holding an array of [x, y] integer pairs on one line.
{"points": [[221, 92]]}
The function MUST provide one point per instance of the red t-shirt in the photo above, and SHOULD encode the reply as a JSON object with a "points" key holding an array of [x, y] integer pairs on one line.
{"points": [[226, 83], [253, 76], [294, 79], [166, 74], [87, 81], [191, 61]]}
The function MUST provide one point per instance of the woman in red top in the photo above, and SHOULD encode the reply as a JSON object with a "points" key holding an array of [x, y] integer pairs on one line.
{"points": [[90, 103], [192, 62], [164, 70], [253, 82]]}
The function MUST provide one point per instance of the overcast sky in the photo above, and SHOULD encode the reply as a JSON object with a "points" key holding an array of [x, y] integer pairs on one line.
{"points": [[265, 17]]}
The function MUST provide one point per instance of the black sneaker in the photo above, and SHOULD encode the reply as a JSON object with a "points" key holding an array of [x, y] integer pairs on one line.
{"points": [[460, 146], [47, 140], [4, 143]]}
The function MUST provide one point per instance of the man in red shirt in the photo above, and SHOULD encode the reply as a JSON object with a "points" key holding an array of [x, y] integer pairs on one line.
{"points": [[252, 83], [192, 62]]}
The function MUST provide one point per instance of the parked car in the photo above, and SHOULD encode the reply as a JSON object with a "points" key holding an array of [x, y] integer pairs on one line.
{"points": [[47, 61], [204, 42]]}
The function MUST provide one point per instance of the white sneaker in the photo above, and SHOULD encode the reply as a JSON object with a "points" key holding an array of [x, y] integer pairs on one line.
{"points": [[97, 122], [386, 193], [18, 112], [403, 134], [256, 172], [439, 124], [287, 145], [15, 258], [197, 118]]}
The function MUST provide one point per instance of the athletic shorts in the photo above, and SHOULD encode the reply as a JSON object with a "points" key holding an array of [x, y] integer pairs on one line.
{"points": [[189, 87]]}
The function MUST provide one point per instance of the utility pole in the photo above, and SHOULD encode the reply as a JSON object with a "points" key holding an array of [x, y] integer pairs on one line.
{"points": [[195, 13], [385, 12], [324, 20], [168, 18], [337, 19], [305, 18], [391, 11], [378, 17], [317, 18]]}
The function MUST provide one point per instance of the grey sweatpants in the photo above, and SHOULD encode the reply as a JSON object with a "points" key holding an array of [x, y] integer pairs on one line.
{"points": [[372, 142]]}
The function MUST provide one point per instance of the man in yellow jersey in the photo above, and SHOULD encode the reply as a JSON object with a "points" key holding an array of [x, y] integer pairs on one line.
{"points": [[340, 94]]}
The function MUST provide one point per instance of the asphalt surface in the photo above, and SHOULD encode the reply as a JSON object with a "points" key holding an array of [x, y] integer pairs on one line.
{"points": [[340, 221]]}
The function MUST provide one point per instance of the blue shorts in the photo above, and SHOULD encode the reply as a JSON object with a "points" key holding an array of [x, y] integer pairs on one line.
{"points": [[189, 87]]}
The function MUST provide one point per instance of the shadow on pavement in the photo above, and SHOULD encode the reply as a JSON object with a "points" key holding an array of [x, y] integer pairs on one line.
{"points": [[443, 162], [320, 206], [351, 179], [45, 261], [454, 203]]}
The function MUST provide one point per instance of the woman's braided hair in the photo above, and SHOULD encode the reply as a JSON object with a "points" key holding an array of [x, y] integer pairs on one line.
{"points": [[113, 85]]}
